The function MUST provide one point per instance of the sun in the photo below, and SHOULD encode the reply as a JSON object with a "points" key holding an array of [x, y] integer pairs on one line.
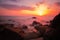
{"points": [[41, 10]]}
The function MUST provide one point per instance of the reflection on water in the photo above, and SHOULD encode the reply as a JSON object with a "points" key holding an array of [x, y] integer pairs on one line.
{"points": [[28, 29]]}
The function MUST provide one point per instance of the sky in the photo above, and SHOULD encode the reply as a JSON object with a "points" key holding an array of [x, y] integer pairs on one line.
{"points": [[29, 7]]}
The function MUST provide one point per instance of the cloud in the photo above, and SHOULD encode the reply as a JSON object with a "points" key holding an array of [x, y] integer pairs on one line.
{"points": [[15, 4], [26, 8], [15, 7], [51, 1], [9, 0], [20, 2], [14, 0], [7, 6], [58, 3]]}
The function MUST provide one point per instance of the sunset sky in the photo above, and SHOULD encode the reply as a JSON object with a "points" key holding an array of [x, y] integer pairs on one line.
{"points": [[44, 10], [29, 7]]}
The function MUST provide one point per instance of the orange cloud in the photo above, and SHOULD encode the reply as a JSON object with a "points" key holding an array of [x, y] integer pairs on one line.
{"points": [[23, 10]]}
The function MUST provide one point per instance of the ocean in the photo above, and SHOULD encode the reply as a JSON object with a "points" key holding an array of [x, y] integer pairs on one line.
{"points": [[23, 19]]}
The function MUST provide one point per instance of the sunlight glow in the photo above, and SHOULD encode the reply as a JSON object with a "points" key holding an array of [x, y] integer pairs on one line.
{"points": [[41, 10]]}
